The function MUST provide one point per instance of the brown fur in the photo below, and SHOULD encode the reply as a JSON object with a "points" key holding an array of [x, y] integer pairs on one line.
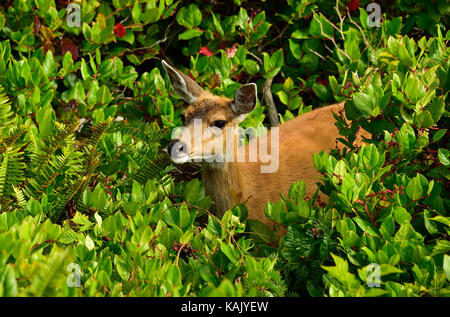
{"points": [[299, 139]]}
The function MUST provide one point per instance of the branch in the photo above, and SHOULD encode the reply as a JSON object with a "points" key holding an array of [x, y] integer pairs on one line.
{"points": [[268, 98], [157, 42]]}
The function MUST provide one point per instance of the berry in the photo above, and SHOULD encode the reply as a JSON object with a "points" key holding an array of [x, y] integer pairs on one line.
{"points": [[353, 5], [119, 30]]}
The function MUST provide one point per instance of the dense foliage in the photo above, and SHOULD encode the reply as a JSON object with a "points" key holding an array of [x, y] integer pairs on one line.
{"points": [[91, 206]]}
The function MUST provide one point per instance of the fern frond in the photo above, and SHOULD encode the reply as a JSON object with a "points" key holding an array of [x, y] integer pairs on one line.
{"points": [[72, 192], [6, 115], [20, 198], [97, 132], [43, 152], [149, 133], [153, 168], [10, 137], [67, 164], [140, 152], [441, 247], [12, 170], [64, 197], [5, 204]]}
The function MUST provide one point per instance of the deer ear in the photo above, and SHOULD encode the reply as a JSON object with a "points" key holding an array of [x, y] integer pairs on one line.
{"points": [[245, 99], [185, 87]]}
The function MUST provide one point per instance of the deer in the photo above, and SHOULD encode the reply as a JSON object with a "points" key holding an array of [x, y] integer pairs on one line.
{"points": [[233, 181]]}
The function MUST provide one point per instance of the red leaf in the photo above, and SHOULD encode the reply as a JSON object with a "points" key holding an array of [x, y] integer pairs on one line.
{"points": [[237, 77], [353, 5], [205, 51], [119, 30], [222, 45], [322, 81], [69, 46]]}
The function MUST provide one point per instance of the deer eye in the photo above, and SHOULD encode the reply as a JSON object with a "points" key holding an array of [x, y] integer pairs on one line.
{"points": [[219, 124]]}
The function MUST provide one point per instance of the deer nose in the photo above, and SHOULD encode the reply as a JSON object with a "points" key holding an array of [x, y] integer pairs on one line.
{"points": [[177, 148]]}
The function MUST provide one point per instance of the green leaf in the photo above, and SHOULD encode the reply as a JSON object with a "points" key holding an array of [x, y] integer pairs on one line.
{"points": [[437, 108], [284, 98], [137, 193], [217, 25], [401, 215], [439, 134], [228, 250], [288, 84], [365, 103], [398, 48], [89, 243], [310, 61], [104, 96], [251, 66], [173, 275], [67, 64], [122, 268], [335, 87], [193, 191], [8, 283], [320, 27], [49, 65], [150, 15], [45, 118], [446, 266], [272, 64], [277, 59], [300, 34], [320, 91], [387, 226], [441, 219], [189, 16], [297, 191], [136, 12], [414, 90], [84, 68], [129, 36], [185, 217], [92, 93], [295, 49], [414, 189], [394, 26], [386, 269], [430, 225], [189, 34], [444, 156], [365, 226], [351, 43]]}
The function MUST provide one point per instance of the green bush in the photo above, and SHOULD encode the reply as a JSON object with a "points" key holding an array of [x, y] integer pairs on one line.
{"points": [[91, 206]]}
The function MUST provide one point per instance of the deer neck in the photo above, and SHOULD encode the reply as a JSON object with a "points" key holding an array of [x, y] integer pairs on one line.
{"points": [[222, 182]]}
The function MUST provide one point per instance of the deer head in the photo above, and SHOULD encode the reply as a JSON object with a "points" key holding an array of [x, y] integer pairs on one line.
{"points": [[209, 120]]}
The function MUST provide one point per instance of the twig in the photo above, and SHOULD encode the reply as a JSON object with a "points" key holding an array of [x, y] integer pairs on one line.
{"points": [[255, 57], [341, 21], [314, 52], [268, 98], [157, 42], [332, 38], [280, 35], [360, 30]]}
